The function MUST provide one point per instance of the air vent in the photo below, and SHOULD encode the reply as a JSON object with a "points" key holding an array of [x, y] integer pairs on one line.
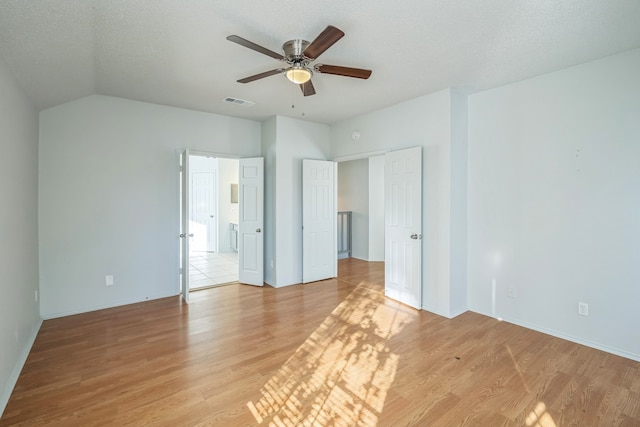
{"points": [[237, 101]]}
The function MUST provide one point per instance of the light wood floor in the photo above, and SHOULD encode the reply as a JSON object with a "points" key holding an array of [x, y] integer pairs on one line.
{"points": [[331, 353]]}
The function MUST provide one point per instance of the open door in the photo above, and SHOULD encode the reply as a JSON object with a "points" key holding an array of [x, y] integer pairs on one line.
{"points": [[319, 220], [203, 207], [184, 225], [251, 221], [403, 226]]}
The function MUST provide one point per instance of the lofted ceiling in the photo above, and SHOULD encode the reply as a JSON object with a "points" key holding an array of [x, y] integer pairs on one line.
{"points": [[175, 52]]}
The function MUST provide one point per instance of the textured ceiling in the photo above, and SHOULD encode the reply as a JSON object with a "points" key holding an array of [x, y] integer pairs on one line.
{"points": [[175, 52]]}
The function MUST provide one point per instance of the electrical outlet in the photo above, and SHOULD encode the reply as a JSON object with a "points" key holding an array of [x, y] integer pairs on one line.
{"points": [[108, 280], [583, 309], [511, 292]]}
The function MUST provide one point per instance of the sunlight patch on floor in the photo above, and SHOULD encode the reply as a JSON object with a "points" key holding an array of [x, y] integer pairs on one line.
{"points": [[341, 374], [539, 417]]}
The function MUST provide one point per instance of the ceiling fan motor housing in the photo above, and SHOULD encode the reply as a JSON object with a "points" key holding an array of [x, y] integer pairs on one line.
{"points": [[293, 51]]}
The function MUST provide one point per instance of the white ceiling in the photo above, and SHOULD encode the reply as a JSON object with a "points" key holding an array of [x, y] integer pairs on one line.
{"points": [[175, 53]]}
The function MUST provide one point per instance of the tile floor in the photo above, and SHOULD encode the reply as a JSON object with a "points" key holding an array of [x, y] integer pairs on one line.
{"points": [[212, 269]]}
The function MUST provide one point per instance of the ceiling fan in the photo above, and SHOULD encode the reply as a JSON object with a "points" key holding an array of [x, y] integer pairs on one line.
{"points": [[298, 55]]}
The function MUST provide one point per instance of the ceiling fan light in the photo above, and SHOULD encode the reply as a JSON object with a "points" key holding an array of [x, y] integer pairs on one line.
{"points": [[298, 75]]}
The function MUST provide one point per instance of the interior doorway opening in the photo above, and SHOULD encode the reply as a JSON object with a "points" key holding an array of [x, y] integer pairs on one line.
{"points": [[213, 221], [361, 192]]}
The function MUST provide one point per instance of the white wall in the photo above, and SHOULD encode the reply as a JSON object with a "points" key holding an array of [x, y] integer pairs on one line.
{"points": [[424, 121], [459, 193], [227, 211], [353, 195], [268, 149], [289, 140], [108, 200], [376, 208], [19, 314], [554, 202]]}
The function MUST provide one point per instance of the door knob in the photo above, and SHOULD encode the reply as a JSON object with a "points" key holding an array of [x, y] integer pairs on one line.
{"points": [[182, 235], [258, 230], [416, 236]]}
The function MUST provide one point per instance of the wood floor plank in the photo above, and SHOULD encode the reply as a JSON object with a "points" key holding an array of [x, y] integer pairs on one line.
{"points": [[334, 352]]}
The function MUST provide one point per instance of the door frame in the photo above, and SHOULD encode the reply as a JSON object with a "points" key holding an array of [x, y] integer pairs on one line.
{"points": [[359, 156], [183, 232], [369, 154], [179, 199]]}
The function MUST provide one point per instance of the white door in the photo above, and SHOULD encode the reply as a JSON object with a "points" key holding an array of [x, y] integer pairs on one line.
{"points": [[319, 220], [251, 221], [184, 224], [403, 226], [202, 212]]}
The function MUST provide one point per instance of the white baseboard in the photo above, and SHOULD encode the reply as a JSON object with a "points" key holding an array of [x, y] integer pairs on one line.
{"points": [[47, 316], [558, 334], [450, 315], [458, 312], [22, 359]]}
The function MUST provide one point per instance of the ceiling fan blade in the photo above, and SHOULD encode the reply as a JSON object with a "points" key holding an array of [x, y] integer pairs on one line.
{"points": [[307, 88], [261, 75], [256, 47], [324, 41], [358, 73]]}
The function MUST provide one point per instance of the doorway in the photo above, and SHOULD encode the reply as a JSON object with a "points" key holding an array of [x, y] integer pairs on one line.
{"points": [[213, 221], [360, 191], [384, 196]]}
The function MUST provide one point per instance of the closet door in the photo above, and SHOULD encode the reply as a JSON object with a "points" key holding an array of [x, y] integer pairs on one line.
{"points": [[319, 220]]}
